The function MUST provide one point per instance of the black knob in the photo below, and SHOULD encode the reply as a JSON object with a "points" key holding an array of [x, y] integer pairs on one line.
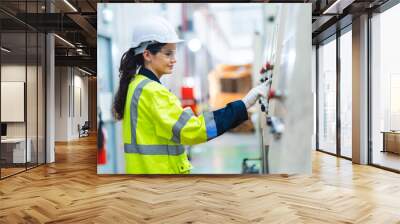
{"points": [[269, 121], [262, 108]]}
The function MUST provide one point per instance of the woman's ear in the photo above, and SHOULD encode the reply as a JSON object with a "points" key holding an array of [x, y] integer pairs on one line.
{"points": [[147, 56]]}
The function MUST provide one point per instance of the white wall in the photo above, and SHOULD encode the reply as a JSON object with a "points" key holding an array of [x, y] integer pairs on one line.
{"points": [[61, 103], [80, 83], [67, 115]]}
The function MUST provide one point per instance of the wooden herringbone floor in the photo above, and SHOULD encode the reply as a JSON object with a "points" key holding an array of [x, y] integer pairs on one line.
{"points": [[70, 191]]}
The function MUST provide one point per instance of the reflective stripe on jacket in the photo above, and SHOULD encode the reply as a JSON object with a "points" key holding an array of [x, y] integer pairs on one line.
{"points": [[155, 128]]}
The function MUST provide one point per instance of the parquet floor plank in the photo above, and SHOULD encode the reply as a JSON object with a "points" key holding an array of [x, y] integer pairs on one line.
{"points": [[70, 191]]}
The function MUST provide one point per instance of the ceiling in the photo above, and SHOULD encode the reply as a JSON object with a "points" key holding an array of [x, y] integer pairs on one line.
{"points": [[332, 15], [75, 21], [238, 22]]}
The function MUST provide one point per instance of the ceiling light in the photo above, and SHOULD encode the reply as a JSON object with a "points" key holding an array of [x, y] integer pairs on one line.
{"points": [[79, 51], [5, 50], [331, 7], [84, 71], [338, 6], [64, 40], [107, 15], [70, 5], [194, 44]]}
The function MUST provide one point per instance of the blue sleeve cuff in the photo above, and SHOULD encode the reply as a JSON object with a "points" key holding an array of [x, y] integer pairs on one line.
{"points": [[230, 116], [211, 126]]}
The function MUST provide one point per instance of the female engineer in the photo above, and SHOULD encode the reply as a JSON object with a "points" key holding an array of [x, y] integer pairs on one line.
{"points": [[155, 126]]}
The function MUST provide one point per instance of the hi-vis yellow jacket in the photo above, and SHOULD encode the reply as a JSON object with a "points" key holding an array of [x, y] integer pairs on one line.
{"points": [[155, 127]]}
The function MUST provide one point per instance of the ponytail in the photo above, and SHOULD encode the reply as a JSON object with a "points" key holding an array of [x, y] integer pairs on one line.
{"points": [[127, 70]]}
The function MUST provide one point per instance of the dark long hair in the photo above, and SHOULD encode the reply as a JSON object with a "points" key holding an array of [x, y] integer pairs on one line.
{"points": [[127, 70]]}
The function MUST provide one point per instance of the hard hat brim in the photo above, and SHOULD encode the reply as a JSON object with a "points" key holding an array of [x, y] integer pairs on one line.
{"points": [[177, 41], [140, 48]]}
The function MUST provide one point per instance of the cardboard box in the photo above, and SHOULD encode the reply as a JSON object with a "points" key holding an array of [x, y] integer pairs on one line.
{"points": [[229, 83]]}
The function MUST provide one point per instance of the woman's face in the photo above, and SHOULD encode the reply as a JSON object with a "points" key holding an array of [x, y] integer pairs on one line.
{"points": [[163, 61]]}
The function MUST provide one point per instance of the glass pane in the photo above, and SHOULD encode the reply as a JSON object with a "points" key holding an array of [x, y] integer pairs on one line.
{"points": [[22, 67], [386, 89], [314, 90], [346, 94], [41, 98], [13, 86], [327, 97], [31, 98]]}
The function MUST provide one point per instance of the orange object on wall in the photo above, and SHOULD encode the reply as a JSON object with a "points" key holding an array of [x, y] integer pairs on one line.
{"points": [[228, 83]]}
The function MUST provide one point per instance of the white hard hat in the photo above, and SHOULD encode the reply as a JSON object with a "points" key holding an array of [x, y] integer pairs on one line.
{"points": [[150, 30]]}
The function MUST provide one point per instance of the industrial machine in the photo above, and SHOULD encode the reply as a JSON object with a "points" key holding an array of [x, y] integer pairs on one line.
{"points": [[286, 115]]}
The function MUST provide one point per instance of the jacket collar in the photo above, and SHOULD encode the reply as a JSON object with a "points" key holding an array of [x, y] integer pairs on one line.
{"points": [[149, 74]]}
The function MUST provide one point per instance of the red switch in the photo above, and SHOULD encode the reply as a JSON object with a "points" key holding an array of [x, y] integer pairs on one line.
{"points": [[268, 66], [271, 94], [262, 71], [275, 94]]}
